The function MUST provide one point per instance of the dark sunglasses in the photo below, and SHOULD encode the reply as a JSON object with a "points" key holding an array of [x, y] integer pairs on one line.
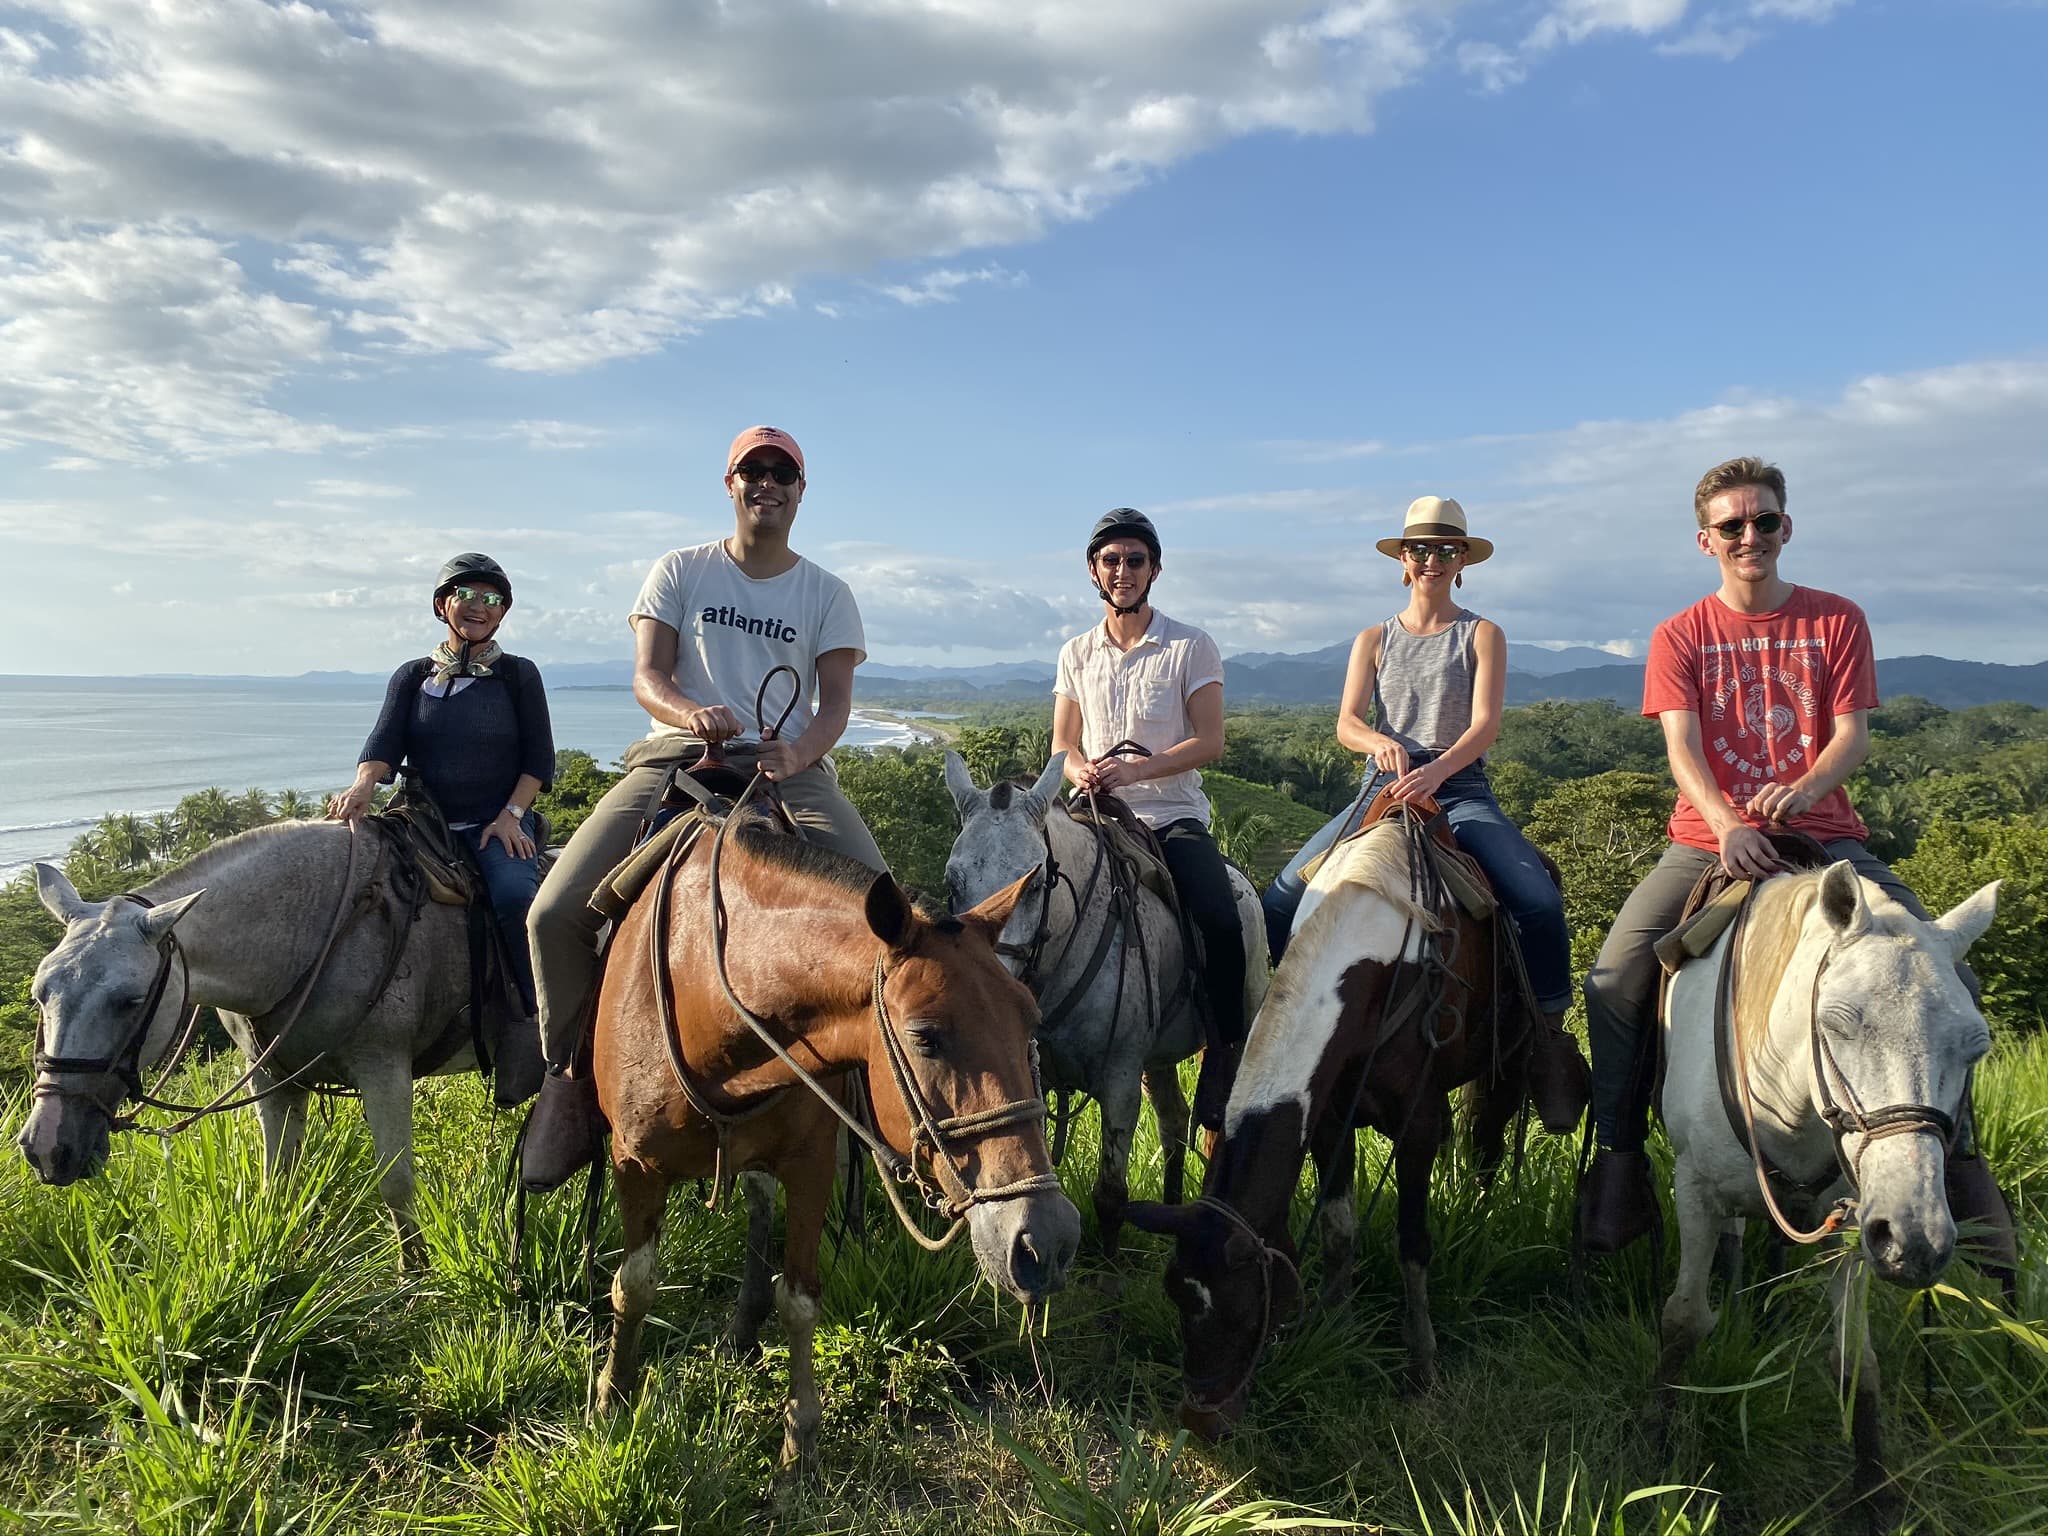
{"points": [[1136, 562], [1420, 552], [479, 595], [1765, 523], [781, 471]]}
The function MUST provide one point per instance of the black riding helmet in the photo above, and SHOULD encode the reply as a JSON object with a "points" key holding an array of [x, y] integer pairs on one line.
{"points": [[470, 567], [1124, 523]]}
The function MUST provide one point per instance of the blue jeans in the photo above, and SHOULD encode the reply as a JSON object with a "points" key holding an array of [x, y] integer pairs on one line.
{"points": [[1483, 830], [512, 883]]}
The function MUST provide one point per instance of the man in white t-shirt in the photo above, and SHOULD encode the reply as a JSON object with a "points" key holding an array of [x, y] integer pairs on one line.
{"points": [[1144, 678], [710, 623]]}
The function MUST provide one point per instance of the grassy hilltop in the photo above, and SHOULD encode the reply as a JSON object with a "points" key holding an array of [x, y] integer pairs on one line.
{"points": [[188, 1350]]}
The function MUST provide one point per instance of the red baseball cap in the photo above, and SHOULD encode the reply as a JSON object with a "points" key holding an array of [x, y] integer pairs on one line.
{"points": [[763, 437]]}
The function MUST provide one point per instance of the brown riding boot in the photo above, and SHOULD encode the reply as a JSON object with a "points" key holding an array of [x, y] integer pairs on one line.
{"points": [[1980, 1208], [1560, 1083], [1616, 1203], [564, 1130]]}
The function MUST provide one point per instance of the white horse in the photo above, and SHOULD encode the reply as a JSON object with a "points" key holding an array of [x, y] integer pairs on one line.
{"points": [[243, 928], [1852, 1038], [1114, 1016]]}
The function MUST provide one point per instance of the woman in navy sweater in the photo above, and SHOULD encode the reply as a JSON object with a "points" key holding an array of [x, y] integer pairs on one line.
{"points": [[471, 722]]}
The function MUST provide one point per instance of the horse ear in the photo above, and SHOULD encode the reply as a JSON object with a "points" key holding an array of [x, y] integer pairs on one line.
{"points": [[1175, 1221], [1040, 794], [960, 784], [992, 916], [1964, 923], [60, 897], [890, 918], [158, 921], [1842, 902]]}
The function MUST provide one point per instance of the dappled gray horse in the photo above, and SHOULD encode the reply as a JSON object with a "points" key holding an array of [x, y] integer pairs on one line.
{"points": [[1837, 1043], [241, 928], [1102, 1000]]}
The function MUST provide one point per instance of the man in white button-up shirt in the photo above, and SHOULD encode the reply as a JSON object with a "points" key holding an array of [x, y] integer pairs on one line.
{"points": [[1142, 677]]}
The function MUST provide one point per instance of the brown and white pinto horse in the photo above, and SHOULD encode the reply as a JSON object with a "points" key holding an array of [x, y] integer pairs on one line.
{"points": [[1388, 998], [848, 978]]}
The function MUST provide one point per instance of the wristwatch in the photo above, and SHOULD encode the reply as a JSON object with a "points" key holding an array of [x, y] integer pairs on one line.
{"points": [[518, 811]]}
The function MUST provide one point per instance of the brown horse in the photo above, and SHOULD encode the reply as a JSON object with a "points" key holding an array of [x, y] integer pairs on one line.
{"points": [[1390, 996], [841, 975]]}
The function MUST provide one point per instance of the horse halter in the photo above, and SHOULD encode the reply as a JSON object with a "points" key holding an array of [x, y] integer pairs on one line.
{"points": [[1843, 1120], [1852, 1119], [125, 1061], [1268, 1256]]}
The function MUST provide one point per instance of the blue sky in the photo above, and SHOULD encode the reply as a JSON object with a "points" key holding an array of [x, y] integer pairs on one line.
{"points": [[296, 302]]}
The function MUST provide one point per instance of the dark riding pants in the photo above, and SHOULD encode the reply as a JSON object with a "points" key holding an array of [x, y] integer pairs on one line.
{"points": [[1203, 881], [512, 882], [1621, 989]]}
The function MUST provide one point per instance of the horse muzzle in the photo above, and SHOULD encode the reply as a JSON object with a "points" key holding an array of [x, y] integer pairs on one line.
{"points": [[65, 1139], [1026, 1245], [1912, 1254], [1212, 1420]]}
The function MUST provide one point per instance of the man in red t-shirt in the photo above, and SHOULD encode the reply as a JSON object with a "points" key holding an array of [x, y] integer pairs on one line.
{"points": [[1764, 691]]}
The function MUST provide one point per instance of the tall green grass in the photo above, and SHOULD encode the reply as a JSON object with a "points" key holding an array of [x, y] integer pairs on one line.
{"points": [[186, 1348]]}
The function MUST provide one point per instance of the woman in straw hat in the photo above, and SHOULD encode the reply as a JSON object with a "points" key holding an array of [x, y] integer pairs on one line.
{"points": [[1422, 701]]}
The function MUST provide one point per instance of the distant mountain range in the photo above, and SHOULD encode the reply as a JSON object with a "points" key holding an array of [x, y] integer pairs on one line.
{"points": [[1317, 677]]}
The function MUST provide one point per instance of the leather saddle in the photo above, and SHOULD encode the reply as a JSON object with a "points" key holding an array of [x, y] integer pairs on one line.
{"points": [[1717, 899], [692, 795], [1460, 872]]}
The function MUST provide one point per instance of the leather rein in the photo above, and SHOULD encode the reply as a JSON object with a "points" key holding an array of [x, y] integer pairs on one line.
{"points": [[1843, 1120]]}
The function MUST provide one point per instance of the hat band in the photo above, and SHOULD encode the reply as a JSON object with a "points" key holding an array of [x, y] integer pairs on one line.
{"points": [[1434, 531]]}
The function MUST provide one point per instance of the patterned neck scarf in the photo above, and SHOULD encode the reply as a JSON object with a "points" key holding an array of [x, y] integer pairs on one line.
{"points": [[449, 665]]}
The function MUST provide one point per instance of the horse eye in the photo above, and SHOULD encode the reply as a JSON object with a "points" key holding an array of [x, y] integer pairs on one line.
{"points": [[927, 1039]]}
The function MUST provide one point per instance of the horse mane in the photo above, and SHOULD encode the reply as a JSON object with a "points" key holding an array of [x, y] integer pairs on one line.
{"points": [[766, 843], [1377, 859], [1771, 932], [208, 858]]}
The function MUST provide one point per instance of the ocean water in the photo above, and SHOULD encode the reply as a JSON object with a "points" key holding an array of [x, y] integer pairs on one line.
{"points": [[75, 749]]}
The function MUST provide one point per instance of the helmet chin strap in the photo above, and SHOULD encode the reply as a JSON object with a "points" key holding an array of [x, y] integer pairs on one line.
{"points": [[1137, 607]]}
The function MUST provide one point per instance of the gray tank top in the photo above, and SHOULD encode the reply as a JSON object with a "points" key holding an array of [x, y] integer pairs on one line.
{"points": [[1422, 696]]}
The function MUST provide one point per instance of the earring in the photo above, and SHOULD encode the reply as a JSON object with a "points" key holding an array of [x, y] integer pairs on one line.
{"points": [[1407, 579], [1458, 580]]}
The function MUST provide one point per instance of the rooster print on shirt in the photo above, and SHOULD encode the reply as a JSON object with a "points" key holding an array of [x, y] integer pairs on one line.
{"points": [[1763, 712]]}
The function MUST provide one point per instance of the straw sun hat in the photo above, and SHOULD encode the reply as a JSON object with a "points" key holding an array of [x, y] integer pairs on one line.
{"points": [[1436, 517]]}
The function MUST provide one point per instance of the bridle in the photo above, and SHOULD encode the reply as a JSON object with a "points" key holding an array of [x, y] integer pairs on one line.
{"points": [[1268, 1256], [1843, 1119], [124, 1062], [933, 1164]]}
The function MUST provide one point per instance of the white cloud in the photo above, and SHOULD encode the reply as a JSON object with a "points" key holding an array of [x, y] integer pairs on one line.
{"points": [[943, 286], [142, 344], [208, 202], [358, 490], [1711, 42]]}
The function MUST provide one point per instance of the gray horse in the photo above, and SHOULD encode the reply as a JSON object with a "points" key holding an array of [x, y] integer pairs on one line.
{"points": [[246, 921], [1110, 1034]]}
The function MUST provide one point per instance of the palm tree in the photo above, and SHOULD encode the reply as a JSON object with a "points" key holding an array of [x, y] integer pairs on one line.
{"points": [[1329, 775], [164, 834], [207, 817], [121, 842], [253, 805], [1242, 835], [295, 805]]}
